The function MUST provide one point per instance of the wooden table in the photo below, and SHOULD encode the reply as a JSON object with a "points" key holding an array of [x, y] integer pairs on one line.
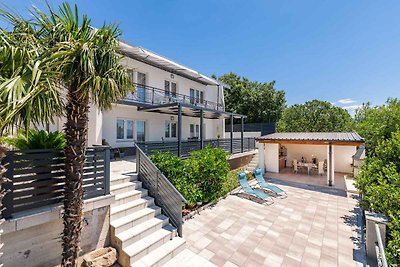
{"points": [[308, 165]]}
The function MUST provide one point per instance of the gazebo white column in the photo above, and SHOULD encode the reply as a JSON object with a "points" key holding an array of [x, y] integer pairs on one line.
{"points": [[261, 158], [330, 175]]}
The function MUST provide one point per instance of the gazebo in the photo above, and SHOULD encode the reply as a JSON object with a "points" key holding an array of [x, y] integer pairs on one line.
{"points": [[336, 149]]}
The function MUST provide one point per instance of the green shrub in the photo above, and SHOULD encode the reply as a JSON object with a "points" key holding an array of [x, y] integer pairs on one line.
{"points": [[379, 183], [230, 183], [200, 178], [33, 139], [179, 174], [210, 167]]}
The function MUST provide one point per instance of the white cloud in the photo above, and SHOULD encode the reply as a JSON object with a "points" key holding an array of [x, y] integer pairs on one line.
{"points": [[346, 101], [352, 107]]}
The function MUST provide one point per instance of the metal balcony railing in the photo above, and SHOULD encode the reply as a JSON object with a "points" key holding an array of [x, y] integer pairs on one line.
{"points": [[155, 96]]}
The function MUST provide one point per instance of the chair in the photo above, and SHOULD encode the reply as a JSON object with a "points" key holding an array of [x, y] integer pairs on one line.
{"points": [[294, 163], [249, 190], [321, 168], [263, 184]]}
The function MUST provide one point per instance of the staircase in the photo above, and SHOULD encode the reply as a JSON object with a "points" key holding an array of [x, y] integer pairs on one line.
{"points": [[141, 234], [253, 163]]}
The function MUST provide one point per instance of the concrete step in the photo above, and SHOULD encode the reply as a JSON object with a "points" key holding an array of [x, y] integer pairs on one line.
{"points": [[163, 254], [134, 234], [129, 196], [125, 187], [123, 178], [130, 207], [144, 246], [131, 220]]}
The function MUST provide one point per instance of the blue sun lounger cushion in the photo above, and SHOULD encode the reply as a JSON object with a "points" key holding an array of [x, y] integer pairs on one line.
{"points": [[248, 189], [263, 184]]}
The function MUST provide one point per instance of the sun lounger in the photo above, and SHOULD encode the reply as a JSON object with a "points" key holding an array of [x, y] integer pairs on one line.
{"points": [[263, 184], [249, 190]]}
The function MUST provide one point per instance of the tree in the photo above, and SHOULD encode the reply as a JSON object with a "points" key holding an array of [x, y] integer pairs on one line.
{"points": [[378, 123], [62, 65], [379, 183], [315, 116], [260, 102]]}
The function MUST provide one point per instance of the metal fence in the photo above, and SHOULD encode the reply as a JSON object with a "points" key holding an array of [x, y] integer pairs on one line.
{"points": [[264, 128], [234, 147], [160, 188], [155, 96], [36, 177]]}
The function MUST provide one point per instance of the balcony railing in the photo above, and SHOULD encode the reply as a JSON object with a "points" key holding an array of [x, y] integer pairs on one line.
{"points": [[155, 96]]}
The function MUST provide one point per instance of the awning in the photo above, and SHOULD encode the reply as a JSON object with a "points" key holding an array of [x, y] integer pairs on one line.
{"points": [[338, 138], [189, 110], [151, 58]]}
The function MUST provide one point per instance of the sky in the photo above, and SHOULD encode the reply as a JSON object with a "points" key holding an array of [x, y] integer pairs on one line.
{"points": [[344, 52]]}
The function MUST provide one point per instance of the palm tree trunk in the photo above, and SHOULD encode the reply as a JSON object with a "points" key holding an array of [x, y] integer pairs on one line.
{"points": [[76, 138]]}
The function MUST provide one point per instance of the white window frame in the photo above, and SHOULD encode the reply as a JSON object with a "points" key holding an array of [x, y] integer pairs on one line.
{"points": [[170, 129], [145, 130], [197, 98], [124, 139], [169, 91]]}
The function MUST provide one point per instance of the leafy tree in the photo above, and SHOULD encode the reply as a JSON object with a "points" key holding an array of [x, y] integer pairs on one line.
{"points": [[260, 102], [57, 64], [378, 123], [315, 116], [379, 183]]}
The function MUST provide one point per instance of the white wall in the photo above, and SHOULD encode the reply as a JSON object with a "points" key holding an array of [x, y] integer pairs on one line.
{"points": [[155, 123], [343, 158], [271, 153]]}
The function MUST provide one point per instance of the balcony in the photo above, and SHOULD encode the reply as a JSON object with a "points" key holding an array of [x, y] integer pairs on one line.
{"points": [[147, 95]]}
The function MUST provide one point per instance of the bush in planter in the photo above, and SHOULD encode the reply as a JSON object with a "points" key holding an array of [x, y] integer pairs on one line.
{"points": [[210, 168], [179, 175], [200, 178]]}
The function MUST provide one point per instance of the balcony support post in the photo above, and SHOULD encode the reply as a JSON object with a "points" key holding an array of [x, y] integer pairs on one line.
{"points": [[241, 133], [201, 128], [179, 130], [231, 133]]}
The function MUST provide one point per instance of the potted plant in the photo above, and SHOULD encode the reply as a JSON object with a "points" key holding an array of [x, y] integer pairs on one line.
{"points": [[122, 152]]}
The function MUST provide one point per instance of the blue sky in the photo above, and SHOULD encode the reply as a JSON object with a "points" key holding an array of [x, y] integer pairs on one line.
{"points": [[345, 52]]}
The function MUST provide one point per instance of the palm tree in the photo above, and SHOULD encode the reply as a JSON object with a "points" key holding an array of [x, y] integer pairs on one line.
{"points": [[75, 65]]}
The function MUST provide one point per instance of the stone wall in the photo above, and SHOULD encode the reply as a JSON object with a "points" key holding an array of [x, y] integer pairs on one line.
{"points": [[34, 239], [240, 160]]}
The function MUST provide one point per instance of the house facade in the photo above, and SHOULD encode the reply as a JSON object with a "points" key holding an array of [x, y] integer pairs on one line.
{"points": [[151, 112]]}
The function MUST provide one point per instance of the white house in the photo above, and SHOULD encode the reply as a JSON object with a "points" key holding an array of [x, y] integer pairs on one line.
{"points": [[164, 89]]}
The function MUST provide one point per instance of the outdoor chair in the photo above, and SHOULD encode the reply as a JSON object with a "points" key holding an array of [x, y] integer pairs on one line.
{"points": [[259, 194], [294, 163], [321, 168], [264, 185]]}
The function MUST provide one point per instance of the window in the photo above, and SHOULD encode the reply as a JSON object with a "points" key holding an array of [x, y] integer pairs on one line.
{"points": [[170, 88], [124, 129], [194, 130], [129, 129], [196, 96], [170, 129], [192, 98], [120, 129], [140, 131], [131, 75], [140, 90]]}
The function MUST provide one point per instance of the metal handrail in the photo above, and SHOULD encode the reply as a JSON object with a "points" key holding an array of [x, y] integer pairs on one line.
{"points": [[154, 96], [152, 181], [382, 255]]}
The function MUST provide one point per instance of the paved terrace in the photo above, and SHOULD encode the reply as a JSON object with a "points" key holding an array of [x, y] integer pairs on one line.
{"points": [[313, 226]]}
